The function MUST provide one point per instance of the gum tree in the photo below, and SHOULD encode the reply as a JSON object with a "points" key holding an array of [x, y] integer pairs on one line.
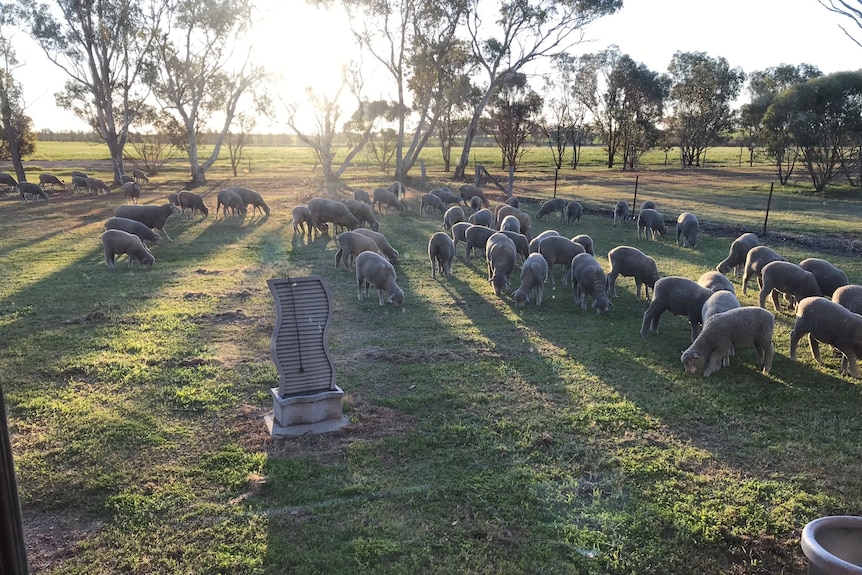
{"points": [[15, 143]]}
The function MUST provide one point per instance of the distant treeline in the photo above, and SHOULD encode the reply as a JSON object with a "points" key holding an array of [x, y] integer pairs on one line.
{"points": [[206, 138]]}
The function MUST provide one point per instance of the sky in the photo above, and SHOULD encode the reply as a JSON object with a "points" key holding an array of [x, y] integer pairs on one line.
{"points": [[304, 46]]}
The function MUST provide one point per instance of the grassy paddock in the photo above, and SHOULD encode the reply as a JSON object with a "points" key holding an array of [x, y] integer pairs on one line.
{"points": [[483, 438]]}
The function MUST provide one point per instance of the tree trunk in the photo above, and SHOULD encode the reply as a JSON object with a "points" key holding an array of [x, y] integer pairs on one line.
{"points": [[472, 130], [11, 135]]}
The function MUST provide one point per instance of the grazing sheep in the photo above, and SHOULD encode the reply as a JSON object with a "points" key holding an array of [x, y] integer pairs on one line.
{"points": [[97, 186], [452, 216], [431, 202], [446, 196], [534, 243], [350, 245], [79, 174], [648, 205], [476, 204], [118, 242], [738, 251], [789, 279], [79, 183], [510, 223], [140, 175], [715, 281], [470, 191], [588, 279], [126, 178], [522, 246], [680, 296], [383, 196], [585, 241], [192, 202], [153, 217], [827, 322], [134, 227], [720, 301], [849, 296], [534, 273], [8, 181], [687, 228], [362, 212], [476, 237], [829, 278], [251, 198], [174, 198], [324, 210], [513, 201], [652, 223], [627, 261], [228, 198], [361, 195], [621, 212], [755, 260], [483, 217], [383, 244], [398, 189], [500, 253], [302, 219], [552, 206], [559, 250], [574, 211], [727, 331], [373, 269], [458, 232], [132, 191], [441, 252], [31, 189], [503, 210], [46, 179]]}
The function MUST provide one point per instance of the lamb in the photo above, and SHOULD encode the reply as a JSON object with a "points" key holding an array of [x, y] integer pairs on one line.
{"points": [[729, 330], [31, 189], [849, 296], [361, 195], [350, 245], [483, 217], [574, 210], [476, 237], [192, 202], [719, 302], [534, 273], [452, 216], [8, 180], [716, 282], [500, 253], [755, 261], [552, 206], [362, 212], [510, 223], [828, 322], [96, 185], [228, 198], [118, 242], [503, 210], [446, 196], [469, 191], [79, 183], [621, 212], [140, 175], [534, 243], [522, 246], [441, 252], [383, 244], [383, 196], [458, 232], [476, 204], [398, 189], [680, 296], [153, 217], [431, 202], [738, 251], [631, 262], [45, 179], [324, 210], [132, 191], [134, 227], [652, 223], [588, 278], [301, 219], [829, 278], [253, 199], [373, 269], [585, 241], [790, 279], [559, 250], [687, 228]]}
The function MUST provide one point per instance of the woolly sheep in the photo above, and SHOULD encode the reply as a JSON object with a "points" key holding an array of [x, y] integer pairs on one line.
{"points": [[827, 322], [441, 252], [192, 202], [476, 204], [79, 183], [350, 245], [174, 198], [715, 281], [301, 219], [483, 217], [652, 223], [648, 205], [362, 212], [118, 242], [383, 196], [588, 279], [849, 296], [534, 243], [476, 237], [621, 212], [431, 202], [559, 250], [732, 329], [829, 278], [522, 246], [98, 186], [452, 216], [585, 241], [373, 269], [552, 206], [153, 217], [361, 195], [446, 196], [324, 211], [126, 178], [252, 198], [78, 174], [470, 191], [500, 253], [383, 244], [534, 273], [46, 179], [680, 296], [789, 279], [134, 227], [140, 175], [756, 258], [687, 228], [720, 301], [8, 180], [458, 232], [524, 218], [228, 198], [739, 249], [574, 211], [513, 201], [510, 223], [31, 189], [627, 261], [132, 191], [398, 189]]}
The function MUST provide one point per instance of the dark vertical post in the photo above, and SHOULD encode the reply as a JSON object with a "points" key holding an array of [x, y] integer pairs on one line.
{"points": [[768, 204], [635, 200], [511, 180], [13, 551], [556, 173], [478, 177]]}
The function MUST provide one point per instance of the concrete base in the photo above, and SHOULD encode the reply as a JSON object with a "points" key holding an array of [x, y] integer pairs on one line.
{"points": [[833, 545], [315, 413]]}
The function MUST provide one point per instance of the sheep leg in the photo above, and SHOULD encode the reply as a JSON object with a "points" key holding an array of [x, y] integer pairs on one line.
{"points": [[775, 300], [848, 364], [815, 348], [768, 354], [380, 296], [612, 285], [713, 363], [164, 231], [795, 335]]}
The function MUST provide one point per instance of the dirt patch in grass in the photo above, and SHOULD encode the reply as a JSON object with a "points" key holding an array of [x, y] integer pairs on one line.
{"points": [[398, 356], [54, 538]]}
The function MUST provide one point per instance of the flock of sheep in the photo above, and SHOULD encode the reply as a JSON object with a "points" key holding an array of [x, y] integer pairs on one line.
{"points": [[81, 182]]}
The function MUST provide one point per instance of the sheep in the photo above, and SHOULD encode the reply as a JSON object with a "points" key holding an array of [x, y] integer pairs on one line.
{"points": [[79, 183], [79, 174], [652, 223], [373, 269], [729, 330], [849, 296], [720, 301], [118, 242], [513, 201], [324, 210], [441, 252], [431, 202], [585, 241], [361, 195], [96, 185], [483, 217], [134, 227], [574, 210], [253, 199], [8, 180], [362, 212], [446, 196], [125, 178], [510, 223], [503, 210], [174, 198], [476, 237], [301, 219], [228, 198], [551, 206], [500, 253], [588, 278], [756, 258], [522, 246], [716, 282], [31, 189], [687, 228], [132, 191], [452, 216], [458, 232], [739, 249], [140, 175], [350, 245], [534, 273], [534, 243], [829, 278], [398, 189], [621, 212], [559, 250], [45, 179], [383, 196], [383, 244], [680, 296], [790, 279], [469, 191], [828, 322], [153, 217], [476, 204], [648, 205], [631, 262], [192, 202]]}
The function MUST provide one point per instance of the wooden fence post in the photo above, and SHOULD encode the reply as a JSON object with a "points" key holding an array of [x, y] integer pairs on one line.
{"points": [[511, 180], [768, 204]]}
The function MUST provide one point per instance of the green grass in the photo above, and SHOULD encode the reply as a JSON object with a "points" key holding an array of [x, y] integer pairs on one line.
{"points": [[483, 438]]}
